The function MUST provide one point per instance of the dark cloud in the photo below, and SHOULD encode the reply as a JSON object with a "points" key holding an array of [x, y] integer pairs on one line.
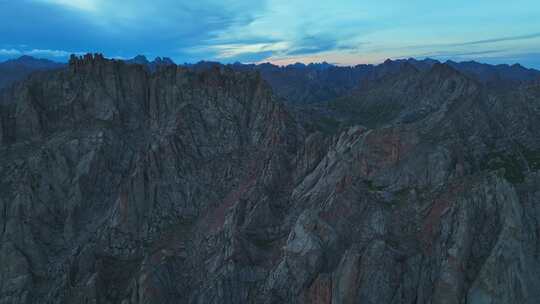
{"points": [[500, 39], [472, 43], [44, 26], [451, 54], [243, 41], [123, 28], [312, 45], [234, 30], [250, 57]]}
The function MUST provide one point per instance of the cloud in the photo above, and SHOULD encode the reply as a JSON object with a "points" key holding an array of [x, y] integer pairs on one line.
{"points": [[304, 27], [248, 52], [467, 43], [9, 52], [50, 53], [500, 39], [313, 45], [252, 57], [59, 54], [86, 5], [453, 54], [124, 28], [347, 31]]}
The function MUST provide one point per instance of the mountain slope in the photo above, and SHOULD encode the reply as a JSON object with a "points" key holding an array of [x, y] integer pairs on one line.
{"points": [[111, 163], [186, 185]]}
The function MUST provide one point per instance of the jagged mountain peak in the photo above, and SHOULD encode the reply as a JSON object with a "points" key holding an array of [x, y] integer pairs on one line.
{"points": [[14, 70], [163, 60], [87, 58], [26, 59], [32, 62], [151, 65], [443, 70], [139, 59]]}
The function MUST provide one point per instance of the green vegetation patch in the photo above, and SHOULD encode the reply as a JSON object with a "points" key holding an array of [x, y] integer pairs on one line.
{"points": [[513, 170], [372, 187], [533, 158], [325, 124]]}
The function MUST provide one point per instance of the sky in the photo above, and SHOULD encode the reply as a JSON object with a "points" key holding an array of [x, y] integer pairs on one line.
{"points": [[343, 32]]}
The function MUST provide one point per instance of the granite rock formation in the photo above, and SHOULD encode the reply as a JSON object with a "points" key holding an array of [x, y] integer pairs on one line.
{"points": [[122, 185]]}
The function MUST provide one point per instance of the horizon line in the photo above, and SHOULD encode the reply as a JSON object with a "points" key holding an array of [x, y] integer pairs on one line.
{"points": [[82, 54]]}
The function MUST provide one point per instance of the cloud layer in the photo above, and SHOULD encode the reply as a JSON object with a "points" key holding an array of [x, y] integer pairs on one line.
{"points": [[281, 31]]}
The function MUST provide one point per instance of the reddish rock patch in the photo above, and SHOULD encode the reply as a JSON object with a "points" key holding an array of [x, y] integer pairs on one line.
{"points": [[336, 211], [320, 292], [343, 183], [216, 217], [385, 148], [432, 221]]}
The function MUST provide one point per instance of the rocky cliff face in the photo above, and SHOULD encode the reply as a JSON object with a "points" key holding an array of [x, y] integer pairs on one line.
{"points": [[118, 185]]}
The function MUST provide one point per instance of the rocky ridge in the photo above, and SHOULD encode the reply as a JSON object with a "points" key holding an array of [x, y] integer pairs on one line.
{"points": [[122, 185]]}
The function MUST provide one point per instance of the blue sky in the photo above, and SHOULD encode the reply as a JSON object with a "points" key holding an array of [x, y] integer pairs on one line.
{"points": [[281, 31]]}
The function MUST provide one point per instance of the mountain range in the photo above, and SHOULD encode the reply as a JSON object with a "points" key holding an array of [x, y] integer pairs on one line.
{"points": [[412, 181], [300, 83], [18, 69]]}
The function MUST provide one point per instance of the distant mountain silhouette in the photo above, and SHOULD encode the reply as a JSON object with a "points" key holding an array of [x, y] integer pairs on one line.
{"points": [[493, 73], [17, 69], [152, 65], [307, 83], [317, 82]]}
